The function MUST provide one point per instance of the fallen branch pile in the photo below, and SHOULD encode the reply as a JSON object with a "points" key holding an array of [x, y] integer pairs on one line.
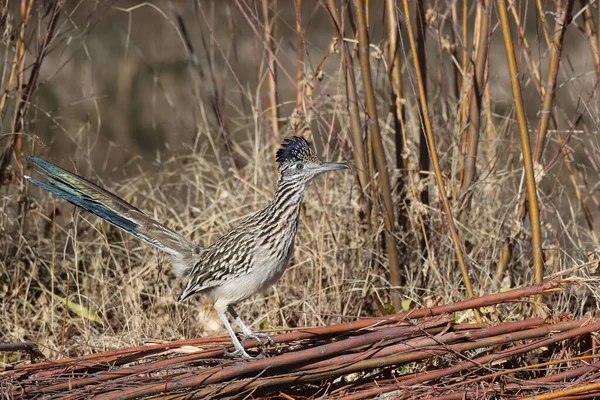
{"points": [[416, 354]]}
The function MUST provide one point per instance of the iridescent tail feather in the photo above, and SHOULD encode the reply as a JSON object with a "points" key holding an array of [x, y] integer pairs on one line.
{"points": [[91, 197]]}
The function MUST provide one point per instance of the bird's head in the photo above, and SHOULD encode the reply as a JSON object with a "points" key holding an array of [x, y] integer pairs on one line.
{"points": [[298, 161]]}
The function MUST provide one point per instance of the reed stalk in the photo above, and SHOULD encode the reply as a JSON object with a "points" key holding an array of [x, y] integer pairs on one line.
{"points": [[379, 154], [475, 101], [430, 140], [271, 94], [358, 146], [534, 211], [299, 58]]}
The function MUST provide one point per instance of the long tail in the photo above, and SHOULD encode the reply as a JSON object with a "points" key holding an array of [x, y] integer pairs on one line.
{"points": [[85, 194]]}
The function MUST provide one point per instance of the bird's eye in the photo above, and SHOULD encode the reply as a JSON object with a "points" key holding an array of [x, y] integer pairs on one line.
{"points": [[299, 166]]}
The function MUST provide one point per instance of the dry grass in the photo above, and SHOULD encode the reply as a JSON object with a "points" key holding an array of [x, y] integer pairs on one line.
{"points": [[75, 285], [130, 287]]}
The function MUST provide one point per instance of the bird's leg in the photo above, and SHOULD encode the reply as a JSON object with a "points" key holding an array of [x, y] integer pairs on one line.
{"points": [[247, 332], [239, 350]]}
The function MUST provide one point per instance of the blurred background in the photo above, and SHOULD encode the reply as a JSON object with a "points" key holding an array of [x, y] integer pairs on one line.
{"points": [[117, 75]]}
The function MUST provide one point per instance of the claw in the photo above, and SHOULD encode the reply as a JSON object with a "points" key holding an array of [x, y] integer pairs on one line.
{"points": [[258, 337]]}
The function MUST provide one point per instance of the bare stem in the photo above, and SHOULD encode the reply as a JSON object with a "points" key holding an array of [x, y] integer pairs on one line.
{"points": [[299, 57], [534, 211], [271, 70], [426, 120], [358, 146], [550, 86], [379, 153], [481, 58]]}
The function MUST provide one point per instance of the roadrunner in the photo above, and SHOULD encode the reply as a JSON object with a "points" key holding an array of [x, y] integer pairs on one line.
{"points": [[246, 260]]}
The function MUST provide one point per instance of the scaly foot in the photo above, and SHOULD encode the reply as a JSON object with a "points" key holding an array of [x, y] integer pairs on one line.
{"points": [[238, 352]]}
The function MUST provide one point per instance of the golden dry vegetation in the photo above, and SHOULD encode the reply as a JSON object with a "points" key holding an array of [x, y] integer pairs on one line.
{"points": [[173, 106]]}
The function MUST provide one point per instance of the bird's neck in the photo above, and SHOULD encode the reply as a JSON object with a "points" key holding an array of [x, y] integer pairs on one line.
{"points": [[284, 209], [279, 220], [289, 195]]}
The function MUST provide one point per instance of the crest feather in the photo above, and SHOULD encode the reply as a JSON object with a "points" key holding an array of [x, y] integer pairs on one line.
{"points": [[294, 149]]}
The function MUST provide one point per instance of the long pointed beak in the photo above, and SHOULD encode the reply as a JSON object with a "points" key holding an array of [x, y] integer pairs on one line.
{"points": [[330, 166]]}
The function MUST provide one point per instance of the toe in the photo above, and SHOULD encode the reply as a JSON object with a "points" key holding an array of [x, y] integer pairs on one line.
{"points": [[259, 339], [268, 338], [237, 353]]}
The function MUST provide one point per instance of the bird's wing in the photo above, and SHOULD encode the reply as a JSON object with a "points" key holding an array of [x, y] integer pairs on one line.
{"points": [[229, 257]]}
